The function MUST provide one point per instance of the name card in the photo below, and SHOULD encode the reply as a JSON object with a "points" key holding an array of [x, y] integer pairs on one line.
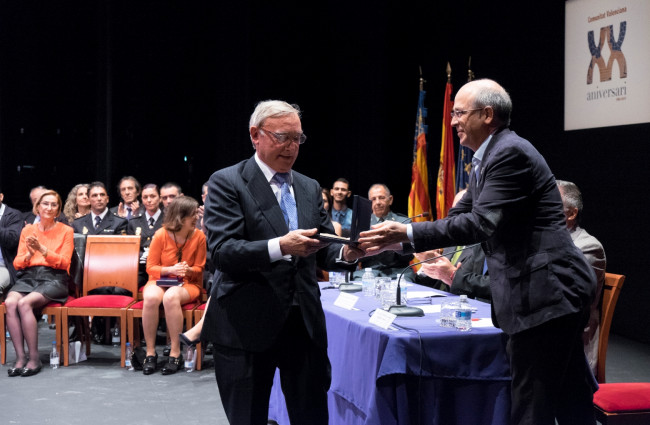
{"points": [[382, 318], [346, 300]]}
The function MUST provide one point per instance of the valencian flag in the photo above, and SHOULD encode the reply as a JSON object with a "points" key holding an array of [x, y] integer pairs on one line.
{"points": [[419, 196], [446, 187], [465, 154]]}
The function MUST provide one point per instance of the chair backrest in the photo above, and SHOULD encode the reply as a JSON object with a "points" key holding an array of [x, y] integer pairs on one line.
{"points": [[111, 261], [611, 291]]}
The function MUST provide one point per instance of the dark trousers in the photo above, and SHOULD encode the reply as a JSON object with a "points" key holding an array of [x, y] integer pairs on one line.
{"points": [[550, 375], [245, 378]]}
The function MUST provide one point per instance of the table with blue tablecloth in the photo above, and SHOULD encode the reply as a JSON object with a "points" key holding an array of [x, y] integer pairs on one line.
{"points": [[416, 372]]}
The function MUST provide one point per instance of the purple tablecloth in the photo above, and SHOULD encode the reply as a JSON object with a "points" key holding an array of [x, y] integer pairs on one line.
{"points": [[461, 377]]}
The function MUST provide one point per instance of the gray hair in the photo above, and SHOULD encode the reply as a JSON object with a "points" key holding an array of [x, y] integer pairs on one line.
{"points": [[271, 109], [379, 185], [571, 196], [489, 93]]}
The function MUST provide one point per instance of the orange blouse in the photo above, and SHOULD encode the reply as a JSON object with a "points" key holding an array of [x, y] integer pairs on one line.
{"points": [[59, 241], [162, 253]]}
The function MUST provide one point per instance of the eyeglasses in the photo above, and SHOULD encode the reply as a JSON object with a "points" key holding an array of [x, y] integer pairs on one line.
{"points": [[282, 138], [459, 114]]}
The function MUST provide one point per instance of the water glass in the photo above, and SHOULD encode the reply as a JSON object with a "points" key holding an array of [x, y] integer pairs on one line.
{"points": [[337, 278], [381, 282]]}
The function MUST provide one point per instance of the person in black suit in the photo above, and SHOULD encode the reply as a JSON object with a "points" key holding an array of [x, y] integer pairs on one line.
{"points": [[11, 224], [145, 226], [129, 190], [100, 221], [541, 284], [265, 311]]}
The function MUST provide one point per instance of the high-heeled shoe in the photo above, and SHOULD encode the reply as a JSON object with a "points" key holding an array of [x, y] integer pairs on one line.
{"points": [[185, 340], [30, 372]]}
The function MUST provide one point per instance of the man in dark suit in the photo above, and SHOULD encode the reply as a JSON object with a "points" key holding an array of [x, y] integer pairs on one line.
{"points": [[387, 263], [265, 311], [11, 224], [100, 221], [541, 283], [129, 207]]}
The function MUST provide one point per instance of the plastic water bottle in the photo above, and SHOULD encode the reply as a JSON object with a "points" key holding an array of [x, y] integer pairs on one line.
{"points": [[189, 359], [54, 356], [368, 282], [115, 338], [464, 315], [128, 355]]}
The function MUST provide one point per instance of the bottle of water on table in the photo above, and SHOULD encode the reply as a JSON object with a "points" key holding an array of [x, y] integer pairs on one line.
{"points": [[464, 315], [368, 281]]}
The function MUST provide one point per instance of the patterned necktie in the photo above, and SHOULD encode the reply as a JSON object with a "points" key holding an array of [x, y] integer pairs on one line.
{"points": [[476, 163], [98, 220], [151, 222], [287, 203]]}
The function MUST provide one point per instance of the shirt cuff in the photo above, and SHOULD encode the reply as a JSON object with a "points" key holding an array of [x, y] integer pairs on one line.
{"points": [[275, 253], [340, 258], [409, 231]]}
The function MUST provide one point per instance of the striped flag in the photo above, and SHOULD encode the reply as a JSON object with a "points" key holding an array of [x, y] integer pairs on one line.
{"points": [[446, 187], [465, 154], [419, 196]]}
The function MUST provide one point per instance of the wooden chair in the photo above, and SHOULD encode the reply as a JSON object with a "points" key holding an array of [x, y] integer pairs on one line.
{"points": [[611, 291], [109, 261], [617, 403]]}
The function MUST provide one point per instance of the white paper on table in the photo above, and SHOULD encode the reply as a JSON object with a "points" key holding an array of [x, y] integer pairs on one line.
{"points": [[429, 308], [412, 295], [346, 300], [485, 322], [382, 318]]}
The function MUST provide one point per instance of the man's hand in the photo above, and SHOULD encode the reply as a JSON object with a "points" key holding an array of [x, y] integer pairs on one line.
{"points": [[441, 269], [300, 244], [351, 253], [426, 255], [384, 236]]}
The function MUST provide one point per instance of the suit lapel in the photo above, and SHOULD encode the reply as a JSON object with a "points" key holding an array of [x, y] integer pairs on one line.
{"points": [[261, 192]]}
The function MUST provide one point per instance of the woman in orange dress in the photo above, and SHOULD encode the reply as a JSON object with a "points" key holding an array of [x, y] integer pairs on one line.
{"points": [[177, 250], [42, 263]]}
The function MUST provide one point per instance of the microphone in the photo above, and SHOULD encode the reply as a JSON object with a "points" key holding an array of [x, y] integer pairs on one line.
{"points": [[402, 310], [424, 214]]}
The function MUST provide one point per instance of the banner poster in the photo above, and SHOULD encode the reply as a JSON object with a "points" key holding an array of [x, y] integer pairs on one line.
{"points": [[606, 63]]}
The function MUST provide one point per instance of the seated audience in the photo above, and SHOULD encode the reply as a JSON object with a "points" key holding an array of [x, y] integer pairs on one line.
{"points": [[177, 251], [78, 204], [42, 262], [387, 263], [446, 274], [168, 192], [100, 221], [11, 223], [340, 212], [595, 254], [129, 190], [146, 226]]}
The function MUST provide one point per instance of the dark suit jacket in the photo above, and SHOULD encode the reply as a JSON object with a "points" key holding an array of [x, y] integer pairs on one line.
{"points": [[252, 296], [145, 233], [137, 213], [110, 225], [11, 225], [536, 272]]}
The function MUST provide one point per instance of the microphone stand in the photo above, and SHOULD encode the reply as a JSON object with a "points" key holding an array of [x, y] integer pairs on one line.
{"points": [[402, 310]]}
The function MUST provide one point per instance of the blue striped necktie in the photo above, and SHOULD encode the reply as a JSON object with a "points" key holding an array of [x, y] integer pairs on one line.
{"points": [[287, 203]]}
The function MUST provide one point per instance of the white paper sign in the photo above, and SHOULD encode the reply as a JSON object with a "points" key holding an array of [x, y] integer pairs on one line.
{"points": [[382, 318], [346, 300]]}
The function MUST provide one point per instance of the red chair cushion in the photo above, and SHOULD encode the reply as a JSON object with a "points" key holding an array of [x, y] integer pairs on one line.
{"points": [[101, 301], [55, 304], [188, 306], [623, 397], [137, 306], [201, 307]]}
